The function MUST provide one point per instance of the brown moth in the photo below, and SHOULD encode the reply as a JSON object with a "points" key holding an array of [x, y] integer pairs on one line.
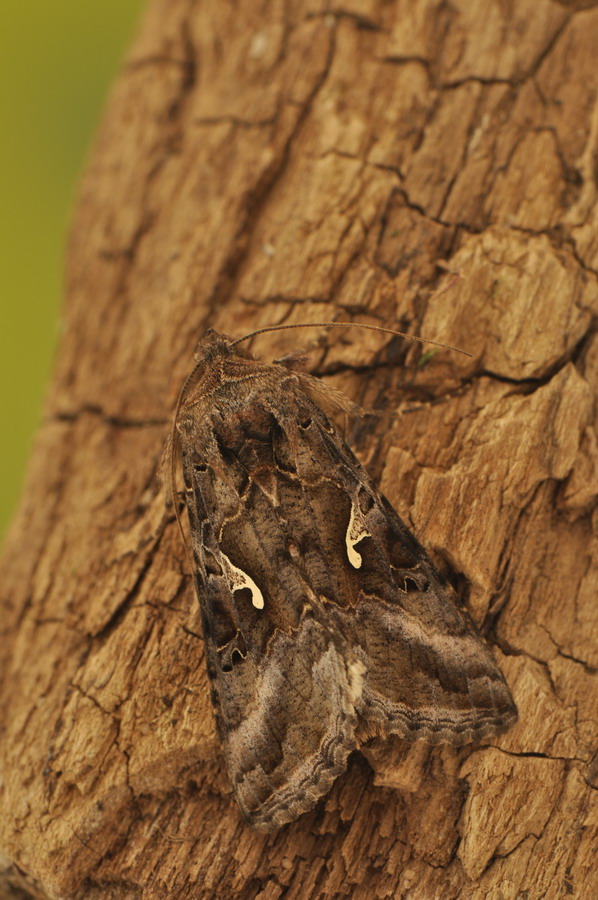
{"points": [[325, 622]]}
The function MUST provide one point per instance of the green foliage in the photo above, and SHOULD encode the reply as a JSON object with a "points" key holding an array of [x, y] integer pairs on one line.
{"points": [[56, 63]]}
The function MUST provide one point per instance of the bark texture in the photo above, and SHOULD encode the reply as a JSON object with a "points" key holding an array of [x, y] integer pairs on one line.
{"points": [[430, 164]]}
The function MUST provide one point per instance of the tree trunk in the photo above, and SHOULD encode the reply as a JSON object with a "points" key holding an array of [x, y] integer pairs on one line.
{"points": [[429, 166]]}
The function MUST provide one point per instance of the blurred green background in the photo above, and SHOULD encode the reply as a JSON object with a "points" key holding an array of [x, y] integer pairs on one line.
{"points": [[57, 61]]}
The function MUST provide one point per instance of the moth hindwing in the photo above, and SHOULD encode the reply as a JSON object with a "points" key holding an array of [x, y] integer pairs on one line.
{"points": [[325, 622]]}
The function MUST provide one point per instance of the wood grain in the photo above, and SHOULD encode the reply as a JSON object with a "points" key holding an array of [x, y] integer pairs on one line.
{"points": [[423, 164]]}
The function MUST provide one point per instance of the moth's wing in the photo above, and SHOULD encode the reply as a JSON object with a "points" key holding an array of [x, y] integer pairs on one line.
{"points": [[283, 685], [429, 674], [446, 686]]}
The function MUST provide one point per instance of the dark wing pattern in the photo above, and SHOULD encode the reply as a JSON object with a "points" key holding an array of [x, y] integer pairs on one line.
{"points": [[324, 620]]}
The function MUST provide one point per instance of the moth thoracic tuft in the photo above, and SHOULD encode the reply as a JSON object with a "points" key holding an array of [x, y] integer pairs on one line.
{"points": [[323, 616]]}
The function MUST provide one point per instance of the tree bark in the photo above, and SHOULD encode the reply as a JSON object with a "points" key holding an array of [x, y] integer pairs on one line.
{"points": [[426, 165]]}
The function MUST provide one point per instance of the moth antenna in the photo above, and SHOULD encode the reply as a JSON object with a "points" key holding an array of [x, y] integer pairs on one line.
{"points": [[412, 337], [172, 459]]}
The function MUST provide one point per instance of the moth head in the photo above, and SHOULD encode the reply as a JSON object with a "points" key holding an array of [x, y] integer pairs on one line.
{"points": [[211, 346], [214, 345]]}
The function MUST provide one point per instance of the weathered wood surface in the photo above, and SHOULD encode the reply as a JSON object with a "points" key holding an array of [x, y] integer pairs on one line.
{"points": [[427, 164]]}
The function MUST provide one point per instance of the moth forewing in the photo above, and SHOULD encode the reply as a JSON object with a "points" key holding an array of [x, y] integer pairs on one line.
{"points": [[325, 622]]}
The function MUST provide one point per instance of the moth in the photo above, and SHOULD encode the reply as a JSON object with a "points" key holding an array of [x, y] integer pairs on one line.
{"points": [[325, 622]]}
